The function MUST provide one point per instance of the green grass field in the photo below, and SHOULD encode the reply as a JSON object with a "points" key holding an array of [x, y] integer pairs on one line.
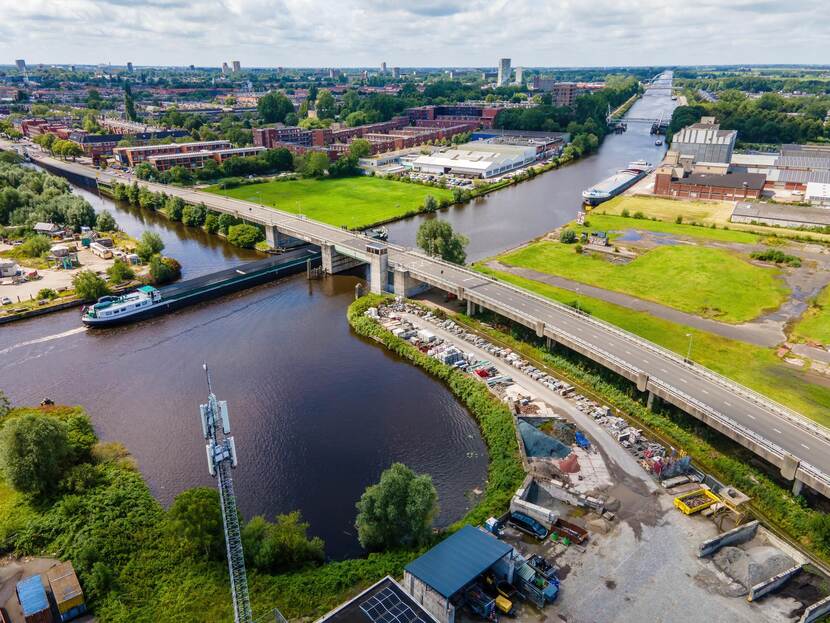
{"points": [[753, 366], [708, 282], [814, 325], [608, 222], [353, 202]]}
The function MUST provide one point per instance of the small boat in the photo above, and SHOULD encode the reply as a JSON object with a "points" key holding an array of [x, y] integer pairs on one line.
{"points": [[379, 233], [658, 142], [111, 310]]}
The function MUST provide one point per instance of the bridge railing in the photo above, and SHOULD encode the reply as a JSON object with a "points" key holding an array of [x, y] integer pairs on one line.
{"points": [[751, 395]]}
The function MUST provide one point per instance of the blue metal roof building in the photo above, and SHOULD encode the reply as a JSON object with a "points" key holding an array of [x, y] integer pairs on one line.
{"points": [[32, 596], [458, 560]]}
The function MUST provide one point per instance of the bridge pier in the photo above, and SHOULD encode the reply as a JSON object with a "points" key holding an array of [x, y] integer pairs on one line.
{"points": [[642, 381], [378, 267], [404, 284], [334, 262], [278, 240], [651, 399], [550, 343], [797, 486]]}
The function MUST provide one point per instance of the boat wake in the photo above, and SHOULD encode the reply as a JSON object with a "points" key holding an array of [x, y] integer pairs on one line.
{"points": [[40, 340]]}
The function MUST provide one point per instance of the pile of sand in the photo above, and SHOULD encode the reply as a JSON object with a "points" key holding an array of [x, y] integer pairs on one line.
{"points": [[753, 565]]}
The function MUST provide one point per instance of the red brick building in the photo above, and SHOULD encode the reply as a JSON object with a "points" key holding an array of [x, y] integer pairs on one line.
{"points": [[709, 185]]}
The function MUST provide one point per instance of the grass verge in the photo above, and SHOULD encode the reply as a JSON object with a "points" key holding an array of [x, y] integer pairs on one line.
{"points": [[814, 325], [750, 365]]}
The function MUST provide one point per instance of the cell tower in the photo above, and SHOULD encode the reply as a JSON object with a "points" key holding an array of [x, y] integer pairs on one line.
{"points": [[221, 456]]}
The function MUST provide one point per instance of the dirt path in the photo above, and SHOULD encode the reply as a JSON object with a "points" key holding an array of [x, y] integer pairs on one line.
{"points": [[763, 332]]}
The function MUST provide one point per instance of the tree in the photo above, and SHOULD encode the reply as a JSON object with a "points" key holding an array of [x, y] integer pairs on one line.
{"points": [[281, 546], [179, 175], [129, 103], [325, 105], [163, 270], [47, 294], [360, 148], [314, 164], [195, 518], [436, 237], [93, 99], [274, 107], [105, 221], [568, 236], [397, 511], [244, 235], [211, 223], [430, 204], [356, 118], [89, 286], [279, 159], [174, 207], [5, 405], [149, 245], [33, 452], [120, 272], [194, 215], [225, 221]]}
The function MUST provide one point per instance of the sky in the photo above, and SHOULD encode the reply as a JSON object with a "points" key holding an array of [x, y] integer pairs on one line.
{"points": [[414, 33]]}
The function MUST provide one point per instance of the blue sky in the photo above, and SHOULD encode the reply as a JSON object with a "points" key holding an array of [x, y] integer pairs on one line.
{"points": [[330, 33]]}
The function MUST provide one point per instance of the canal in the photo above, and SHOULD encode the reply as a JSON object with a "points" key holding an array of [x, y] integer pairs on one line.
{"points": [[317, 412]]}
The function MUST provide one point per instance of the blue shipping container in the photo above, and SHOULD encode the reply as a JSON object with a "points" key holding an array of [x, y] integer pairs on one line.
{"points": [[32, 596]]}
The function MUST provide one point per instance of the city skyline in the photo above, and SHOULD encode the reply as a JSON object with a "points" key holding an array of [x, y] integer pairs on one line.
{"points": [[310, 33]]}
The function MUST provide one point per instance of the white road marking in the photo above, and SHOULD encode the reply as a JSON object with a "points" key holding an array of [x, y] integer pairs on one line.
{"points": [[728, 404], [806, 447], [777, 431], [684, 380], [704, 391], [750, 416], [664, 370]]}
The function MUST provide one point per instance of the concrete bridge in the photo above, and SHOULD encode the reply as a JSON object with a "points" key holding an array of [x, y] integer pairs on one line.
{"points": [[797, 446]]}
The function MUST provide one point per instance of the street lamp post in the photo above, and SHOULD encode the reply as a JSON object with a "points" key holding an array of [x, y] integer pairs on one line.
{"points": [[577, 300], [689, 352]]}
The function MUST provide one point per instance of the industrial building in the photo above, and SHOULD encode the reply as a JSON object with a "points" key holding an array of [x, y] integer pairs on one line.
{"points": [[794, 167], [436, 579], [726, 185], [479, 159], [564, 94], [435, 115], [818, 194], [705, 142], [131, 156]]}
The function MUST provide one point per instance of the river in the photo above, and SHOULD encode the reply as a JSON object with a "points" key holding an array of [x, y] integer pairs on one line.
{"points": [[317, 412]]}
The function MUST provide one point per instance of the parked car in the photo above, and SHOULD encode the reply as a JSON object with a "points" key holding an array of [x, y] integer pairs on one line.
{"points": [[6, 300], [527, 524]]}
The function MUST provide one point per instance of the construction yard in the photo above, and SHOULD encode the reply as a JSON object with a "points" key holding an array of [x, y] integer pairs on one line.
{"points": [[643, 558]]}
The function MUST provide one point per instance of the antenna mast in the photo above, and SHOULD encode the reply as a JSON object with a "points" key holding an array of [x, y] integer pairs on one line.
{"points": [[221, 456]]}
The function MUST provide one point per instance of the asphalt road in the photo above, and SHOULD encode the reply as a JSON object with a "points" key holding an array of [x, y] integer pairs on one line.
{"points": [[805, 444]]}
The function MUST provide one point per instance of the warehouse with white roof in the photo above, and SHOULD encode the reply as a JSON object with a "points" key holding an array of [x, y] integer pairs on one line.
{"points": [[476, 159]]}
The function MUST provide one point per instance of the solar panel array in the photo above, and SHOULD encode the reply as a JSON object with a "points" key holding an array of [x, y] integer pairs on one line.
{"points": [[386, 606]]}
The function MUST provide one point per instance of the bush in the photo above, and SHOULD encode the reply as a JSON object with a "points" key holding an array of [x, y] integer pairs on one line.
{"points": [[174, 206], [568, 236], [244, 235], [625, 213], [149, 245], [639, 215], [776, 256], [679, 219], [164, 270], [195, 518], [578, 248], [105, 221], [211, 223], [194, 216], [47, 294], [430, 204], [33, 453], [35, 246], [89, 286], [120, 272], [281, 546], [225, 221]]}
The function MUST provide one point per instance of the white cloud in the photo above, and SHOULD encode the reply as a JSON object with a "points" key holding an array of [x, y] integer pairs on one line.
{"points": [[414, 32]]}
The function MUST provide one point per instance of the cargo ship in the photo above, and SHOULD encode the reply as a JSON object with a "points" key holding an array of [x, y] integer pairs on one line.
{"points": [[147, 301], [617, 183]]}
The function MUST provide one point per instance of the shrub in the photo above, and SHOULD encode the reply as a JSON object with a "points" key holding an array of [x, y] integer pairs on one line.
{"points": [[149, 245], [164, 270], [35, 246], [33, 452], [89, 286], [194, 215], [625, 213], [244, 235], [281, 546], [120, 272], [175, 207], [678, 219], [639, 215], [776, 256], [578, 248], [568, 236], [105, 221], [47, 294], [211, 223]]}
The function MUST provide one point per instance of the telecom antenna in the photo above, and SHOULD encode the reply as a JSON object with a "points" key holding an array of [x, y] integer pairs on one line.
{"points": [[221, 456]]}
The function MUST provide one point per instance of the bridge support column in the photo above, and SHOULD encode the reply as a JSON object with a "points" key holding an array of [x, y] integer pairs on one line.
{"points": [[471, 308], [405, 285], [540, 329], [278, 240], [642, 381], [550, 343], [797, 486], [650, 400], [378, 268], [789, 467], [327, 251], [334, 262]]}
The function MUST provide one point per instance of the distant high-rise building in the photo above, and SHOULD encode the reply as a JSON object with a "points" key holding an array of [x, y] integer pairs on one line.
{"points": [[236, 67], [519, 76], [451, 74], [129, 67], [192, 67], [21, 67], [504, 72], [225, 68], [396, 72], [383, 68]]}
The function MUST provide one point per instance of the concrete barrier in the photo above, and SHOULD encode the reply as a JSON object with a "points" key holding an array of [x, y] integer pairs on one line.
{"points": [[541, 514], [738, 535], [774, 583], [816, 611]]}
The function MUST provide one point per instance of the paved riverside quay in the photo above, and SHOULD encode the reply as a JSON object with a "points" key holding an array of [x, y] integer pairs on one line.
{"points": [[799, 447]]}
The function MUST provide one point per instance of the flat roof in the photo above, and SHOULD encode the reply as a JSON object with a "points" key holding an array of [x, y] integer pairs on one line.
{"points": [[817, 190], [458, 560], [172, 145], [383, 602], [729, 180]]}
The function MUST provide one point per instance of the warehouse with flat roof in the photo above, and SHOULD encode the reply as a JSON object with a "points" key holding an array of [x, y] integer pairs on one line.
{"points": [[477, 159]]}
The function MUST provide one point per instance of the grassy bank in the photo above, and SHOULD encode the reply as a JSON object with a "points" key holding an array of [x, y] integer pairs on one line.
{"points": [[814, 325], [615, 223], [709, 450], [750, 365], [704, 281], [352, 202]]}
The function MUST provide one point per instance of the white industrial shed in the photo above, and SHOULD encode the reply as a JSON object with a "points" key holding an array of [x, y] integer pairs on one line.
{"points": [[477, 159]]}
